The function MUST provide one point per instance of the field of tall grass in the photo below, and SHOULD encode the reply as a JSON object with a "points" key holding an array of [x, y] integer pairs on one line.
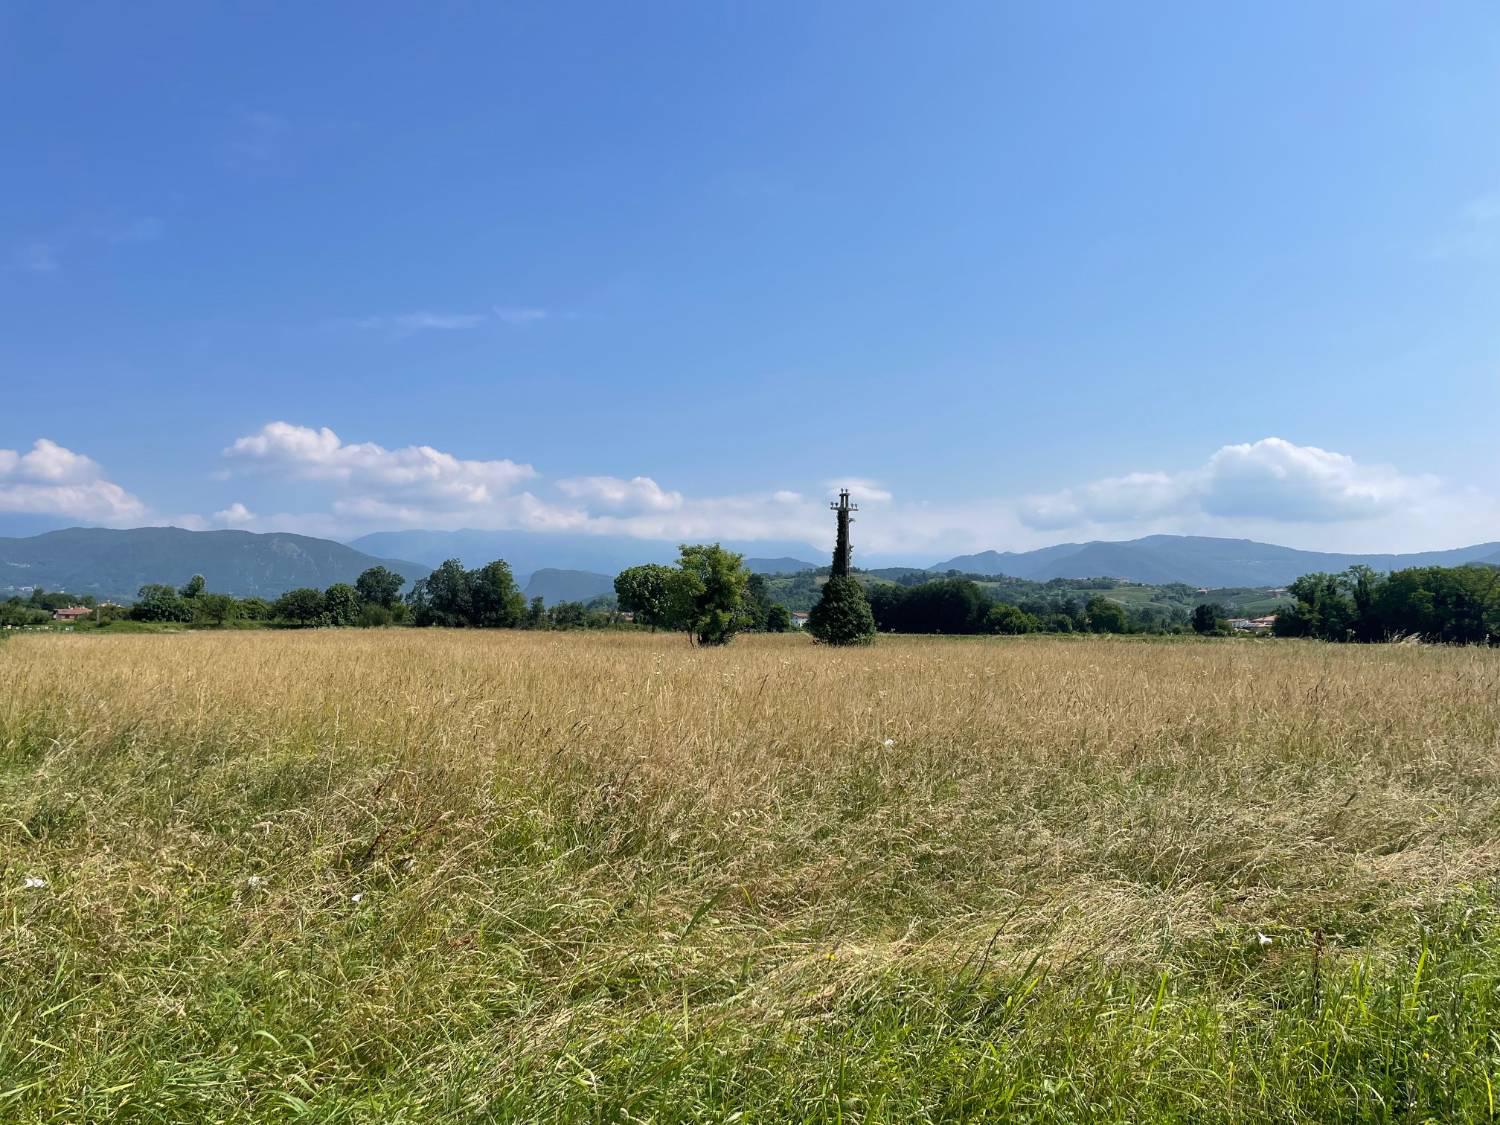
{"points": [[428, 876]]}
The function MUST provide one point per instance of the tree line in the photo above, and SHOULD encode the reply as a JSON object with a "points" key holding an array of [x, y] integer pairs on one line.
{"points": [[1441, 604]]}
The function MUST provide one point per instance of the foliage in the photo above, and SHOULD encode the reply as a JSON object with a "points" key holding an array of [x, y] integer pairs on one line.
{"points": [[1453, 605], [216, 609], [379, 586], [1011, 620], [842, 616], [1105, 616], [157, 602], [341, 604], [706, 595], [302, 606], [778, 618], [646, 592], [193, 587], [1209, 617]]}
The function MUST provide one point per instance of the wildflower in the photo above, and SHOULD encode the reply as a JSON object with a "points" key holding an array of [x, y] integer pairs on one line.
{"points": [[888, 743], [34, 883], [1261, 939], [254, 881], [357, 898]]}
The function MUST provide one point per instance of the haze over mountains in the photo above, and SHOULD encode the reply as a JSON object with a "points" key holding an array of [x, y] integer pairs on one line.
{"points": [[115, 563], [1196, 560]]}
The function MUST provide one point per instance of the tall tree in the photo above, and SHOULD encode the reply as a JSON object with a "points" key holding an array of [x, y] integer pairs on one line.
{"points": [[645, 592], [494, 600], [707, 594], [379, 586]]}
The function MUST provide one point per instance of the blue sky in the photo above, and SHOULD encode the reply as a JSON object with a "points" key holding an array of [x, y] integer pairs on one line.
{"points": [[1018, 273]]}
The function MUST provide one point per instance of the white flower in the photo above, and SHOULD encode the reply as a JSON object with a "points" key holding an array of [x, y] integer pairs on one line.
{"points": [[1261, 939], [254, 881], [888, 743], [34, 883], [356, 899]]}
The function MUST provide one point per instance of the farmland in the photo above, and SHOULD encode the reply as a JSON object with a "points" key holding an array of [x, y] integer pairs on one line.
{"points": [[435, 875]]}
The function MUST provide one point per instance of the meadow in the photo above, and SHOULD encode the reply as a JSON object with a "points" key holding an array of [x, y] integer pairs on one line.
{"points": [[438, 876]]}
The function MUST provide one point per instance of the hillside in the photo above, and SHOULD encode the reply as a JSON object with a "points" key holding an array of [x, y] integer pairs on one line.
{"points": [[530, 551], [553, 585], [114, 564], [785, 565], [1195, 560]]}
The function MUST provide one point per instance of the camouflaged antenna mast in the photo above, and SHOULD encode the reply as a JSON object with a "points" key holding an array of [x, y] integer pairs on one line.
{"points": [[841, 551]]}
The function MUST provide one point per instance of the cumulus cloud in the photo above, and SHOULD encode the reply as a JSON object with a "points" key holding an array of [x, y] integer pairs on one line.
{"points": [[413, 473], [862, 490], [51, 479], [236, 515], [635, 494], [1271, 479]]}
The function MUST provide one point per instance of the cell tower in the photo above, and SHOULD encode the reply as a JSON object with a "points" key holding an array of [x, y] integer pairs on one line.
{"points": [[841, 550]]}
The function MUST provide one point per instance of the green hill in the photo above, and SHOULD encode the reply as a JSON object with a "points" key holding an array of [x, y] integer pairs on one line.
{"points": [[115, 564]]}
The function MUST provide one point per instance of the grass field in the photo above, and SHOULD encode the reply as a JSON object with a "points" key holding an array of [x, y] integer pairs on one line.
{"points": [[425, 876]]}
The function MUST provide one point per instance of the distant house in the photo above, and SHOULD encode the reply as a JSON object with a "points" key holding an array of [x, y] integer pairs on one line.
{"points": [[1253, 624], [799, 619], [72, 613]]}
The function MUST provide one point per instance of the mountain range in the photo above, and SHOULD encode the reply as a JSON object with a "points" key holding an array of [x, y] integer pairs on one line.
{"points": [[112, 564], [1196, 560], [116, 563]]}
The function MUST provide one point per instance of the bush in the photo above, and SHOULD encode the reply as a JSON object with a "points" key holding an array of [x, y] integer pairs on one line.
{"points": [[842, 615]]}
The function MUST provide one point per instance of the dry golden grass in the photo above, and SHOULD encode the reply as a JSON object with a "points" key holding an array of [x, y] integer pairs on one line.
{"points": [[615, 877]]}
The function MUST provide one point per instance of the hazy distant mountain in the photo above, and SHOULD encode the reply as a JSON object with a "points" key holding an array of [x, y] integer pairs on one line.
{"points": [[115, 564], [553, 585], [530, 551], [780, 566], [1196, 560]]}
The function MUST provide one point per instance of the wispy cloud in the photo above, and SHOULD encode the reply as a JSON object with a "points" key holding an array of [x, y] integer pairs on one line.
{"points": [[507, 314], [410, 323]]}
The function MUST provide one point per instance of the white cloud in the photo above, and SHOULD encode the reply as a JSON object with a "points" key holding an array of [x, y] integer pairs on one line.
{"points": [[510, 314], [1271, 479], [236, 515], [51, 479], [635, 494], [786, 496], [414, 474], [862, 490], [406, 324]]}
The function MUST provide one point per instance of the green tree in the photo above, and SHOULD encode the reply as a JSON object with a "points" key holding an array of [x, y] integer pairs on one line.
{"points": [[1209, 618], [707, 593], [215, 609], [443, 597], [193, 587], [302, 606], [1105, 616], [778, 618], [494, 600], [645, 592], [536, 614], [379, 586], [341, 604], [1010, 620], [842, 615], [156, 602]]}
